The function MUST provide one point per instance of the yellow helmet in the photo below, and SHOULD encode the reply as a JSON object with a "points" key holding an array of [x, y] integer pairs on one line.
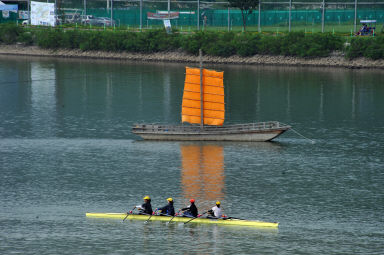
{"points": [[170, 199], [218, 202], [147, 198]]}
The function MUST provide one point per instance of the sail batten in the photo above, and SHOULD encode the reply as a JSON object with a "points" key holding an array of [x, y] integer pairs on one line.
{"points": [[208, 85], [205, 101], [204, 117], [198, 91], [213, 97], [204, 109]]}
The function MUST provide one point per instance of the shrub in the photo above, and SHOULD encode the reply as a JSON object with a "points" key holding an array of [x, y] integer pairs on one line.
{"points": [[313, 45], [376, 49], [358, 47], [111, 41], [292, 43], [220, 45], [71, 39], [270, 45], [131, 42], [193, 43], [215, 44], [49, 38], [247, 44], [212, 43], [91, 41], [9, 33], [151, 41], [321, 45], [26, 37]]}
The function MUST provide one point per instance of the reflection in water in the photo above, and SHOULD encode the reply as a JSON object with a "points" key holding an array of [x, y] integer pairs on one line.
{"points": [[321, 106], [353, 108], [167, 97], [288, 99], [43, 98], [109, 95], [202, 171], [140, 94], [257, 110]]}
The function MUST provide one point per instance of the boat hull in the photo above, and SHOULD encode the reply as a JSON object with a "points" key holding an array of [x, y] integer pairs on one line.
{"points": [[233, 222], [253, 137], [254, 132]]}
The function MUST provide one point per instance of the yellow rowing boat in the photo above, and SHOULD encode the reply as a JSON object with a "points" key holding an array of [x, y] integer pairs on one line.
{"points": [[229, 221]]}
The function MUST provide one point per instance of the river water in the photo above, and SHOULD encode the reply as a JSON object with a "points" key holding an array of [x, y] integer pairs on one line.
{"points": [[66, 149]]}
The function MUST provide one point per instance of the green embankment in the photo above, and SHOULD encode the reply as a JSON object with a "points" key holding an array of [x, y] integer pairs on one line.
{"points": [[212, 43]]}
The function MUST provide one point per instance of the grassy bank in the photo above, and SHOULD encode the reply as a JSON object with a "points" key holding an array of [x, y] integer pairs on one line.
{"points": [[212, 43]]}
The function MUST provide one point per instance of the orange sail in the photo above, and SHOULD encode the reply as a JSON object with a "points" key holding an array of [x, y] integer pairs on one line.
{"points": [[213, 97]]}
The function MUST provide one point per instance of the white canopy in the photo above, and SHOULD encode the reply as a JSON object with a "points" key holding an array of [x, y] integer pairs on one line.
{"points": [[368, 21]]}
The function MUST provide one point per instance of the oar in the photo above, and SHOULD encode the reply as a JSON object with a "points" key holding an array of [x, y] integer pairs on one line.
{"points": [[151, 216], [195, 218], [129, 213], [174, 216]]}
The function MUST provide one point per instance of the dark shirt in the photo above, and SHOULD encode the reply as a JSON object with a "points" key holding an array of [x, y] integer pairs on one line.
{"points": [[167, 210], [192, 209], [147, 208]]}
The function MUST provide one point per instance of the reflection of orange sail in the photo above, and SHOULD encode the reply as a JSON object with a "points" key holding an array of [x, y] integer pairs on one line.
{"points": [[213, 97], [202, 172], [213, 171], [191, 170]]}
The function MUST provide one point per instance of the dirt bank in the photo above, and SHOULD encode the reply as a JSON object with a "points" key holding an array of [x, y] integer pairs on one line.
{"points": [[336, 60]]}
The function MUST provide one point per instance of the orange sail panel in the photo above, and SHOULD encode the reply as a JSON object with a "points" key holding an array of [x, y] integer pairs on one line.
{"points": [[213, 97]]}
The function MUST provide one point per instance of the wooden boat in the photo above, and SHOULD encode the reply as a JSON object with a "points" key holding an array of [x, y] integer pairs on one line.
{"points": [[203, 107], [229, 221]]}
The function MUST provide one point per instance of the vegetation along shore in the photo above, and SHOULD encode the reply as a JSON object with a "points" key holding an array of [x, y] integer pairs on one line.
{"points": [[295, 48]]}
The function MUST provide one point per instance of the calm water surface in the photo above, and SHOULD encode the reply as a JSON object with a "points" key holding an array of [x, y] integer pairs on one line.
{"points": [[66, 149]]}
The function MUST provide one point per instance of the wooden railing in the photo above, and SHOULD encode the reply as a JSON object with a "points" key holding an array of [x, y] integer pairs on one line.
{"points": [[197, 129]]}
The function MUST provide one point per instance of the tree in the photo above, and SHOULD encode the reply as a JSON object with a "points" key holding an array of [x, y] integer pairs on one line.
{"points": [[246, 7]]}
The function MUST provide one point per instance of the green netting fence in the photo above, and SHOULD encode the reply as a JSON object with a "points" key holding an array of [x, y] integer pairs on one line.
{"points": [[229, 19], [220, 17]]}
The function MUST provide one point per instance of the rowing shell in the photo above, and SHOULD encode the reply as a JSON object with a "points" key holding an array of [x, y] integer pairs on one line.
{"points": [[236, 222]]}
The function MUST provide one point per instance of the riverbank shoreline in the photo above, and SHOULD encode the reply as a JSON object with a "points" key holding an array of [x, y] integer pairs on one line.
{"points": [[335, 60]]}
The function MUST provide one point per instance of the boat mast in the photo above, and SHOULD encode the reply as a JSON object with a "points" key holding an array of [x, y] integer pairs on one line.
{"points": [[201, 90]]}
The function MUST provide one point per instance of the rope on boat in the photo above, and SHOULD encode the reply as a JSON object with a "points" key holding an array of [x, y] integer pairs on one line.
{"points": [[312, 141]]}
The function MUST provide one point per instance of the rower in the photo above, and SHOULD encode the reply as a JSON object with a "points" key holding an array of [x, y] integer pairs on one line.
{"points": [[191, 210], [216, 210], [168, 210], [145, 208]]}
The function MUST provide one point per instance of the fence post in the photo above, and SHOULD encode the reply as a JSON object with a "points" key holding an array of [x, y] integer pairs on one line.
{"points": [[198, 15], [141, 15], [111, 12], [354, 28], [169, 7], [85, 7], [29, 12], [323, 17], [259, 18], [229, 18], [289, 15]]}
